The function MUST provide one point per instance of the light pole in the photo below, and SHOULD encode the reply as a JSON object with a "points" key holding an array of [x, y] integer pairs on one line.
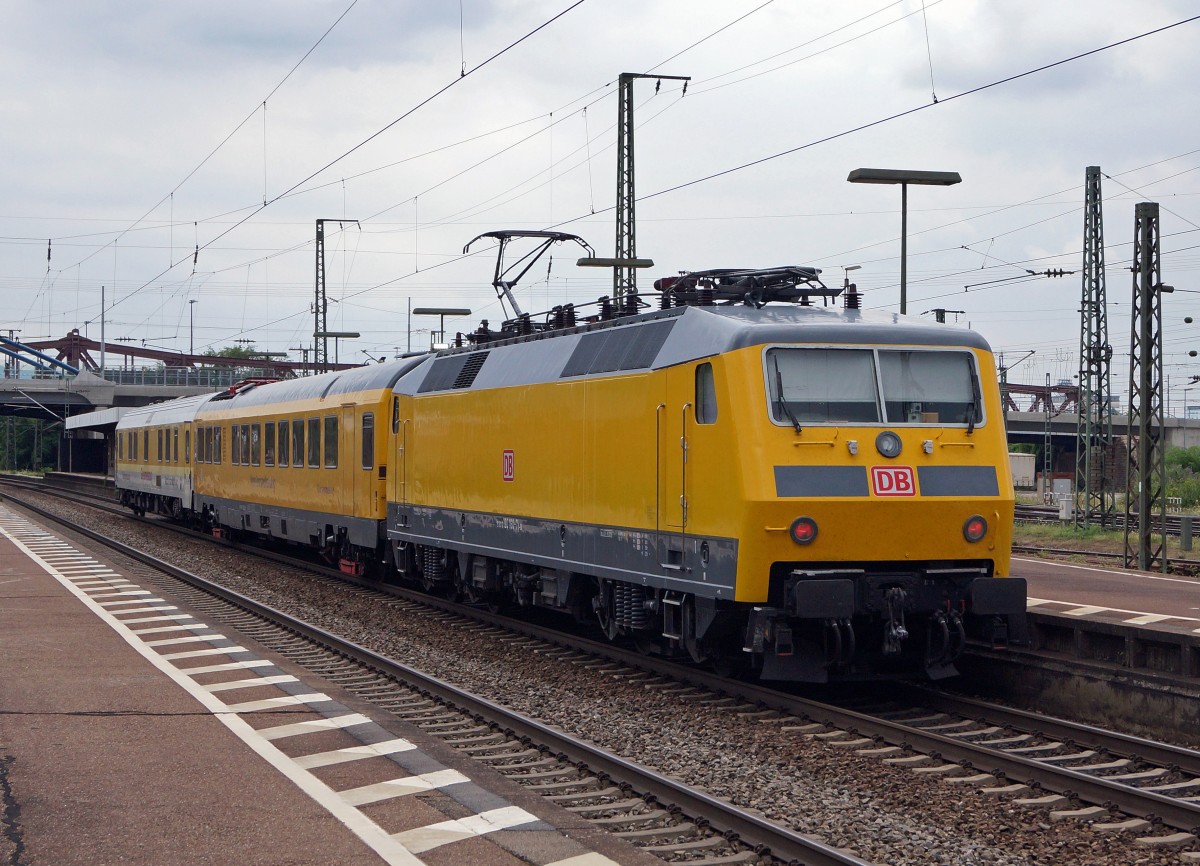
{"points": [[904, 178], [442, 313], [192, 326], [337, 335]]}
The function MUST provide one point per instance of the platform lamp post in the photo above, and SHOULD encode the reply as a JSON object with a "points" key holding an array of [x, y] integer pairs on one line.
{"points": [[337, 335], [441, 313], [904, 178], [192, 326]]}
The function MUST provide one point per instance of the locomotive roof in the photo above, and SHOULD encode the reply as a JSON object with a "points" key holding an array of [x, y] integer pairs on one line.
{"points": [[669, 337]]}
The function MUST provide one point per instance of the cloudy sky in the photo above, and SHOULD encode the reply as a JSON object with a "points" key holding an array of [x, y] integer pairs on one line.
{"points": [[136, 131]]}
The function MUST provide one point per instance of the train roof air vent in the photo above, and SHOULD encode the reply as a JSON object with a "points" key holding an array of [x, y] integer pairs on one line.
{"points": [[466, 376]]}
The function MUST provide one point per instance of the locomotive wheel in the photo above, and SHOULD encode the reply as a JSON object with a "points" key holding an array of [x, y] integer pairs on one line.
{"points": [[602, 603]]}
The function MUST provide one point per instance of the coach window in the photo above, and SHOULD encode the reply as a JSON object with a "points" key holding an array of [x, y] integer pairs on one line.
{"points": [[314, 443], [187, 446], [175, 443], [298, 443], [269, 444], [244, 433], [160, 450], [395, 414], [284, 443], [368, 440], [216, 445], [255, 444], [331, 441], [235, 446], [706, 395], [146, 445]]}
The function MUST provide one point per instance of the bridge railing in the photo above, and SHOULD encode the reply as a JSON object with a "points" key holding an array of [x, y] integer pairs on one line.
{"points": [[180, 376]]}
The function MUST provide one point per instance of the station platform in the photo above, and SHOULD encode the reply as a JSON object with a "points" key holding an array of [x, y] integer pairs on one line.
{"points": [[131, 731]]}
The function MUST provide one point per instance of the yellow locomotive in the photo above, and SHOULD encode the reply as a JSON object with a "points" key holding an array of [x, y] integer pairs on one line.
{"points": [[740, 476], [743, 476]]}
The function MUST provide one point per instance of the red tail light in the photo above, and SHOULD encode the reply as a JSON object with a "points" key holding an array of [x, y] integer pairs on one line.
{"points": [[803, 530], [975, 528]]}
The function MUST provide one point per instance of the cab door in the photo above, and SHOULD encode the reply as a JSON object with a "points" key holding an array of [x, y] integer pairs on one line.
{"points": [[673, 415]]}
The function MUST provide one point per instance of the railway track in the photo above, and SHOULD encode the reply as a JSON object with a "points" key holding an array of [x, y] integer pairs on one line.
{"points": [[1050, 514], [661, 815], [1118, 783]]}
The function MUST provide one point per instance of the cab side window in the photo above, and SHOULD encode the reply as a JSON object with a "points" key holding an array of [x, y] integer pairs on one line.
{"points": [[706, 395]]}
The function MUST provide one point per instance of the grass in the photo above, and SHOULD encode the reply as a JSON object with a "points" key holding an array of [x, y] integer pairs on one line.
{"points": [[1093, 540]]}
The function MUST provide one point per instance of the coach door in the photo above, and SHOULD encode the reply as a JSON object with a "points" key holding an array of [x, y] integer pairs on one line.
{"points": [[347, 462]]}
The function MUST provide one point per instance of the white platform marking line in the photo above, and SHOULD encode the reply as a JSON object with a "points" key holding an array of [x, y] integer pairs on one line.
{"points": [[1148, 618], [228, 666], [160, 609], [167, 618], [370, 833], [354, 753], [198, 638], [247, 684], [423, 839], [402, 787], [592, 858], [1086, 610], [313, 726], [275, 703], [162, 629], [1124, 574], [193, 654]]}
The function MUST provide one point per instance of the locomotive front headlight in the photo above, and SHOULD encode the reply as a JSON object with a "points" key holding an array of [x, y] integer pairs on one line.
{"points": [[803, 530], [975, 528], [888, 444]]}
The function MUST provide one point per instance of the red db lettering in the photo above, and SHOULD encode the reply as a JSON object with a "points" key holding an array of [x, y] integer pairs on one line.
{"points": [[509, 463], [893, 481]]}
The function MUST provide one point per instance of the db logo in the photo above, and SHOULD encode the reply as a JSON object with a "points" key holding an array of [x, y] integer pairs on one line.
{"points": [[893, 481], [509, 464]]}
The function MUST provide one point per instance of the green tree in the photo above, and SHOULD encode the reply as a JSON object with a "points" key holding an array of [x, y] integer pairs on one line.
{"points": [[247, 351], [1183, 474]]}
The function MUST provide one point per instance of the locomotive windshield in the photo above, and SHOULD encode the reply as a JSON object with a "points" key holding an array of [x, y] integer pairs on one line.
{"points": [[872, 386]]}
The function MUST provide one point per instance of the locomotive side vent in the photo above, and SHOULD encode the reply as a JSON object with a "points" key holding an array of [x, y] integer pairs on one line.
{"points": [[455, 372], [466, 376], [633, 348]]}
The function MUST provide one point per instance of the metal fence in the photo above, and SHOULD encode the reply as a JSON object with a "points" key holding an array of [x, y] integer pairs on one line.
{"points": [[214, 378]]}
